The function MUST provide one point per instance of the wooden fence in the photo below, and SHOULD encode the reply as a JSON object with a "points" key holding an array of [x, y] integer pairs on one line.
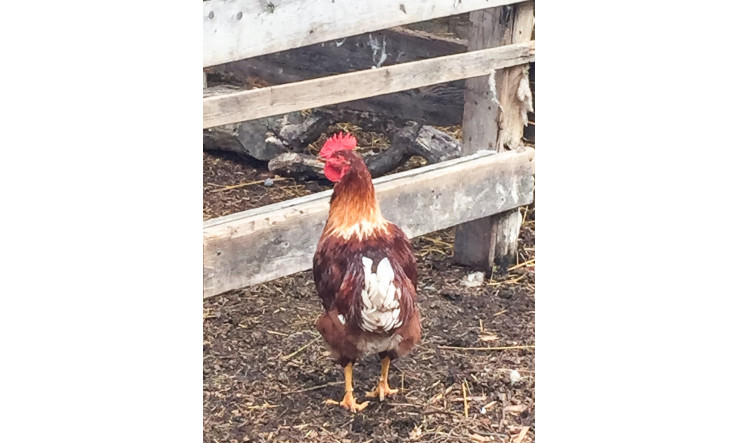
{"points": [[479, 193]]}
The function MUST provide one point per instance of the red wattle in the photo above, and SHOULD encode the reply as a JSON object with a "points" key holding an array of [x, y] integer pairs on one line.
{"points": [[332, 173]]}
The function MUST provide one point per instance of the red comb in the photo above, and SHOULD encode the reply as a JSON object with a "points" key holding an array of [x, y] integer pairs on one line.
{"points": [[339, 142]]}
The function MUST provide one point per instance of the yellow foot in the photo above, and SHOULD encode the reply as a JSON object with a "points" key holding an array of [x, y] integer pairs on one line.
{"points": [[382, 390], [349, 402]]}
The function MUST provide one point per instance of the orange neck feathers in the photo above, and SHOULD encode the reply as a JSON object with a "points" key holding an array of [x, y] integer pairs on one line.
{"points": [[354, 208]]}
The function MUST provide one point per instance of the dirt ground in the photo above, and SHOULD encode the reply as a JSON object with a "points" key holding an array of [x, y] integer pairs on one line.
{"points": [[266, 375]]}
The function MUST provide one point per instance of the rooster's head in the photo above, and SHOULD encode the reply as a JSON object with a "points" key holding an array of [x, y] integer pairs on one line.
{"points": [[336, 163]]}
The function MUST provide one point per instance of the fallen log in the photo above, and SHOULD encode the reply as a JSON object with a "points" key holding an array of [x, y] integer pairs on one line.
{"points": [[266, 138], [297, 165], [426, 141]]}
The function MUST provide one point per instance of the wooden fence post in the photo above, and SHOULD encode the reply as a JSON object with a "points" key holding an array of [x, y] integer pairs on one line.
{"points": [[495, 112]]}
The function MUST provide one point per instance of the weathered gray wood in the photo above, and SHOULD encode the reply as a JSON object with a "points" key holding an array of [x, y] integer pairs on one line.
{"points": [[515, 95], [498, 237], [222, 138], [435, 145], [426, 141], [217, 90], [265, 138], [439, 105], [238, 29], [481, 243], [221, 109], [277, 240], [356, 53], [272, 137], [308, 167], [386, 161], [529, 132], [481, 105], [456, 26], [504, 237], [297, 165], [472, 243]]}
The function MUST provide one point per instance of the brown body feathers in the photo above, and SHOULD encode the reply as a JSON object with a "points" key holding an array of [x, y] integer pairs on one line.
{"points": [[364, 270]]}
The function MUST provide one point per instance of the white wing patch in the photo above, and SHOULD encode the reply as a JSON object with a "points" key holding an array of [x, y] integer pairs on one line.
{"points": [[380, 310]]}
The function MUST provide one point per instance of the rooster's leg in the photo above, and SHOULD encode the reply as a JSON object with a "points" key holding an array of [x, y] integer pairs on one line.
{"points": [[383, 388], [349, 402]]}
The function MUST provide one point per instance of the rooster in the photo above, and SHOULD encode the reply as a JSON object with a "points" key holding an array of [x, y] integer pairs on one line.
{"points": [[365, 274]]}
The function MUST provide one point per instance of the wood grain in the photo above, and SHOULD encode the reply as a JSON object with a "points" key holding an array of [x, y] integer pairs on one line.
{"points": [[262, 244], [473, 239], [224, 108], [505, 230], [438, 105], [238, 29], [481, 243], [511, 123], [481, 105]]}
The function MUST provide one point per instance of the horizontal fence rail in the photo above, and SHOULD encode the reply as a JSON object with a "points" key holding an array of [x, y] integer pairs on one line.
{"points": [[265, 243], [232, 107], [238, 29]]}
